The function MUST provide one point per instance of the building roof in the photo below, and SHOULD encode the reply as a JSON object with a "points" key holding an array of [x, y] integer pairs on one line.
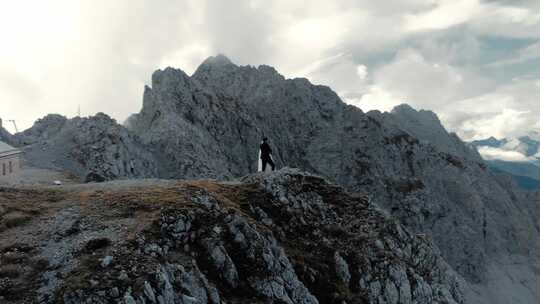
{"points": [[6, 149]]}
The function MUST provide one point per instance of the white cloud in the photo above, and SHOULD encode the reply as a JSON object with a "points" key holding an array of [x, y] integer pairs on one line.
{"points": [[341, 73], [499, 125], [362, 71], [411, 78], [444, 15], [512, 144], [509, 21], [414, 79], [375, 54], [375, 98], [490, 153], [187, 58], [509, 111]]}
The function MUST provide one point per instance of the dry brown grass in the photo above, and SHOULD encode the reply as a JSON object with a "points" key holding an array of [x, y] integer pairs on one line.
{"points": [[19, 206], [15, 219]]}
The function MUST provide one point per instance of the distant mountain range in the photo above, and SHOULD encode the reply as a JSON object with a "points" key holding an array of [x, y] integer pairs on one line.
{"points": [[519, 157]]}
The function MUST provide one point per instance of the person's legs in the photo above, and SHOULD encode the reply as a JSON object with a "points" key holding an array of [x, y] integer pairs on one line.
{"points": [[271, 162], [264, 162]]}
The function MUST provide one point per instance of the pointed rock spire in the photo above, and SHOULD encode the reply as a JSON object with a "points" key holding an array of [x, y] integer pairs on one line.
{"points": [[212, 64]]}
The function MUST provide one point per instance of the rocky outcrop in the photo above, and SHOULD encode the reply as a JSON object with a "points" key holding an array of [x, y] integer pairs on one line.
{"points": [[285, 237], [5, 136], [426, 126], [43, 129], [210, 124], [94, 149]]}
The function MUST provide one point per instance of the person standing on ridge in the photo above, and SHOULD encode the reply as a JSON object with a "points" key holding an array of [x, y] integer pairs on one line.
{"points": [[266, 155]]}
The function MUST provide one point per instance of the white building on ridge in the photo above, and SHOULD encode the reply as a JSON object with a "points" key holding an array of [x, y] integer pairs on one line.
{"points": [[10, 161]]}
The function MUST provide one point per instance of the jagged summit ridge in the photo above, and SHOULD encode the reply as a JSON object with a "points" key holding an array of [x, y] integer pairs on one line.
{"points": [[217, 61], [222, 62], [210, 125], [426, 125]]}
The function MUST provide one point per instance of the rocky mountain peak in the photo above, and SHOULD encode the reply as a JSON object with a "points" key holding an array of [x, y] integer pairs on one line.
{"points": [[422, 117], [43, 128], [213, 66], [217, 61], [266, 69], [490, 142], [168, 78], [426, 126]]}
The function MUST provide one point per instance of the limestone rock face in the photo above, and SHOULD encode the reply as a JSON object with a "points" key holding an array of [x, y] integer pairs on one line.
{"points": [[210, 125], [356, 251], [43, 129], [285, 237], [95, 149], [426, 126], [5, 136]]}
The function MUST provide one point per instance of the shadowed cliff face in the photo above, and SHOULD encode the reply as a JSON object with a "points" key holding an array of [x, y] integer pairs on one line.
{"points": [[286, 237]]}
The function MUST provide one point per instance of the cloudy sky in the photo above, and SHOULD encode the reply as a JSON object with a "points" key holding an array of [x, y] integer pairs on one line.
{"points": [[475, 62]]}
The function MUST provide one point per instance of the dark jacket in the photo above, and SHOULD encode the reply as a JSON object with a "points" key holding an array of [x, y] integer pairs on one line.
{"points": [[265, 151]]}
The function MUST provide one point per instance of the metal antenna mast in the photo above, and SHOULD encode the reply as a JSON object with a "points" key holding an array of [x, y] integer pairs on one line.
{"points": [[15, 125]]}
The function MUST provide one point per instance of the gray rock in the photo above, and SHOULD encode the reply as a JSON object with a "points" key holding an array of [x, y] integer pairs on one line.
{"points": [[128, 299], [149, 292], [247, 261], [426, 126], [405, 159], [123, 276], [342, 269], [209, 126], [7, 137], [106, 261], [115, 293], [95, 149]]}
